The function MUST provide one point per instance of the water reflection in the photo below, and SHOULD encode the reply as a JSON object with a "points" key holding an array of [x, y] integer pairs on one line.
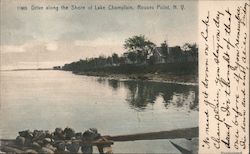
{"points": [[115, 84], [142, 93]]}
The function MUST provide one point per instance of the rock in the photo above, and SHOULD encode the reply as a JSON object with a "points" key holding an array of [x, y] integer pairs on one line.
{"points": [[87, 148], [58, 130], [94, 130], [78, 135], [31, 151], [69, 133], [60, 146], [38, 135], [28, 142], [48, 134], [90, 134], [10, 150], [35, 145], [20, 140], [47, 140], [40, 142], [45, 150], [51, 147], [62, 152], [26, 134], [73, 147], [58, 134]]}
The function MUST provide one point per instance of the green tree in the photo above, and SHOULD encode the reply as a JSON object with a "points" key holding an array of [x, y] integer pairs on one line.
{"points": [[139, 45], [115, 58], [191, 48], [109, 60], [164, 49], [132, 57]]}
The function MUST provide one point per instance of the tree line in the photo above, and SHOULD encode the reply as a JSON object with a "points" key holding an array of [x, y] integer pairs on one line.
{"points": [[139, 51]]}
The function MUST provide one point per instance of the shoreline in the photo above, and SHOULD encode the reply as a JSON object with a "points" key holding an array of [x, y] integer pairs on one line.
{"points": [[183, 79]]}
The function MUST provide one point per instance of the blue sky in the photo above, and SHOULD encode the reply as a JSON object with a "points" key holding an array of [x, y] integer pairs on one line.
{"points": [[31, 39]]}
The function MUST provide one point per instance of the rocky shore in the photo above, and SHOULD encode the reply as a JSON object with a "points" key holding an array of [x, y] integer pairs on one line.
{"points": [[60, 141], [67, 141]]}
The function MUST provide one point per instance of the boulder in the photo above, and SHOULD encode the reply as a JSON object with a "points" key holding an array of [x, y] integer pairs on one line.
{"points": [[38, 135], [51, 147], [69, 133], [62, 152], [73, 147], [40, 142], [78, 135], [48, 134], [20, 140], [26, 134], [58, 134], [91, 134], [31, 151], [94, 130], [35, 145], [28, 141], [45, 150], [87, 148], [47, 140], [60, 146]]}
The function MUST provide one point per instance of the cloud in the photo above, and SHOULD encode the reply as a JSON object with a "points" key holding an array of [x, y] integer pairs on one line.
{"points": [[31, 46], [60, 52], [12, 48], [52, 46], [111, 41], [41, 36]]}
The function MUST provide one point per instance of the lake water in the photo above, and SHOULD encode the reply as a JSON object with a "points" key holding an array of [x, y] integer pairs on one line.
{"points": [[49, 99]]}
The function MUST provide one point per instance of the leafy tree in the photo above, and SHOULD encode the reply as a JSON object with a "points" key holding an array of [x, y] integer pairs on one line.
{"points": [[115, 58], [176, 52], [109, 60], [132, 57], [121, 60], [152, 60], [191, 48], [139, 45], [164, 49], [101, 60]]}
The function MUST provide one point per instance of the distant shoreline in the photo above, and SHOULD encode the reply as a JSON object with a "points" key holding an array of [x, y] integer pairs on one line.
{"points": [[184, 79], [31, 69]]}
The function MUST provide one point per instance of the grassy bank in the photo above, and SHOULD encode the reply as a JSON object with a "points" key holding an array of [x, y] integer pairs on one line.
{"points": [[173, 72], [152, 77]]}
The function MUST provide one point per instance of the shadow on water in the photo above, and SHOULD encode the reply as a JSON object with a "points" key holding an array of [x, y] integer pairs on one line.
{"points": [[143, 93]]}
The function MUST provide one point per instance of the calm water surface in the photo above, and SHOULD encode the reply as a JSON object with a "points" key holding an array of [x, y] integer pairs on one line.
{"points": [[50, 99]]}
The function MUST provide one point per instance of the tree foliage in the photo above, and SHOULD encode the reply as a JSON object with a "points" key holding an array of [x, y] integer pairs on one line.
{"points": [[139, 51], [164, 48], [115, 58], [189, 47], [139, 45], [132, 57]]}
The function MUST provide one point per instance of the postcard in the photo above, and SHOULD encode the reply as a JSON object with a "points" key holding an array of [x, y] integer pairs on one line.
{"points": [[124, 76]]}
